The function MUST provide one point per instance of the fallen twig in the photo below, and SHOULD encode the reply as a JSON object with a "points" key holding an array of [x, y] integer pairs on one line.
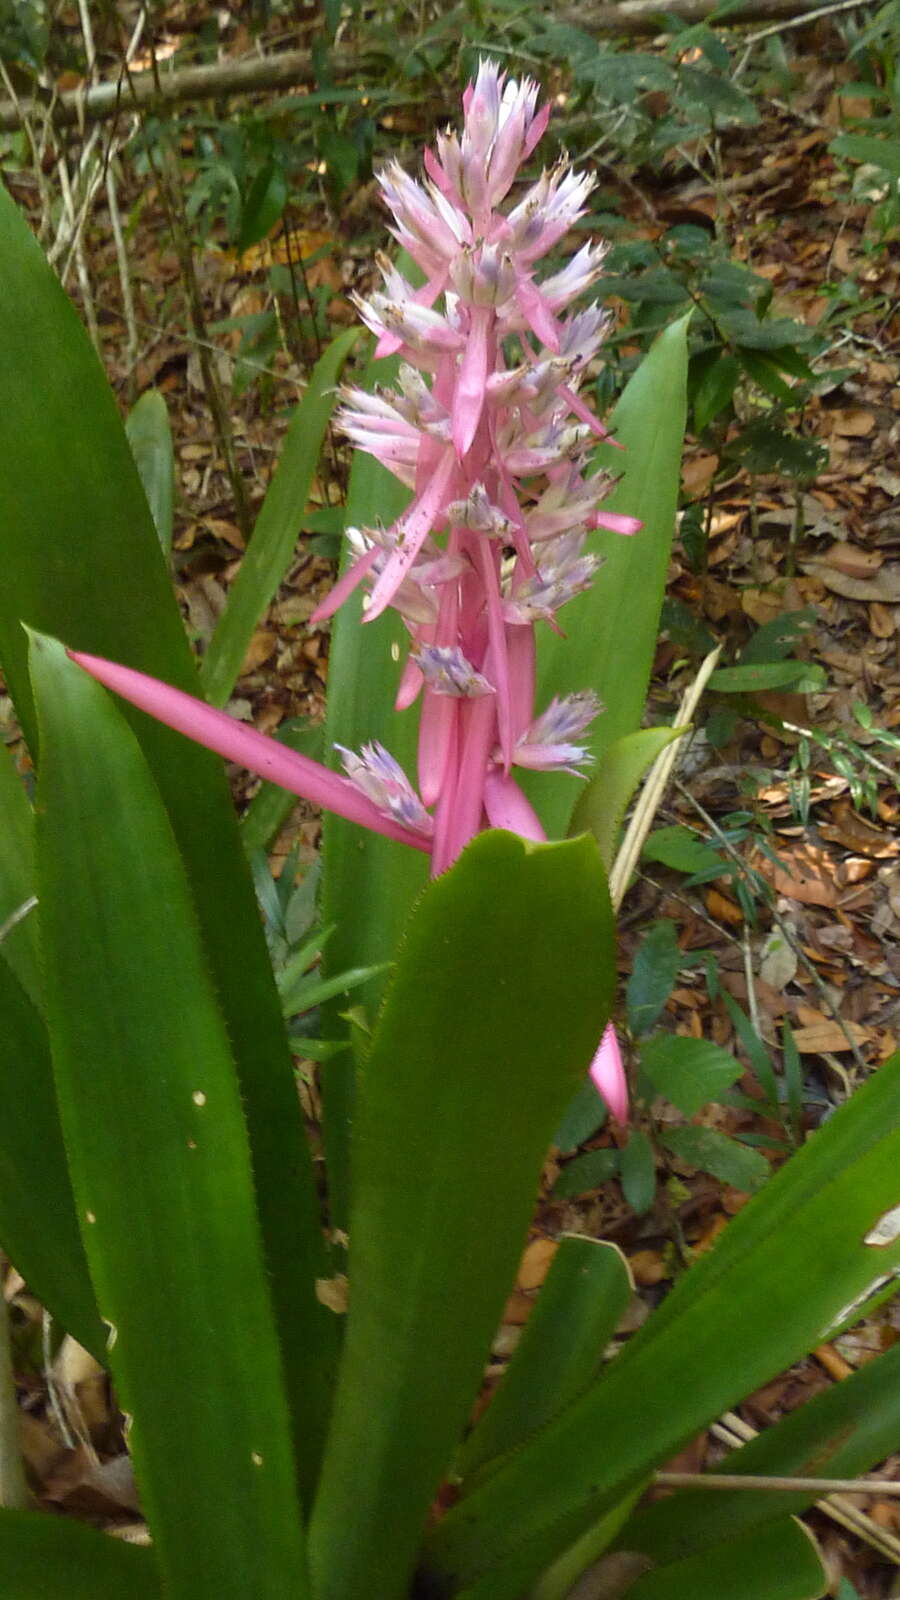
{"points": [[295, 68]]}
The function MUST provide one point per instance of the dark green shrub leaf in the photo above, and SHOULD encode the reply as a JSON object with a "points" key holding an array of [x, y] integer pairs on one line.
{"points": [[689, 1072], [652, 976], [715, 1153], [637, 1170]]}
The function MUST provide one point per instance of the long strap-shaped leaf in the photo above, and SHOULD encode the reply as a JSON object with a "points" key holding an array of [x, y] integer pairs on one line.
{"points": [[20, 945], [275, 534], [38, 1229], [151, 1114], [611, 630], [369, 883], [80, 558], [58, 1559], [843, 1431], [822, 1235], [502, 987], [778, 1562]]}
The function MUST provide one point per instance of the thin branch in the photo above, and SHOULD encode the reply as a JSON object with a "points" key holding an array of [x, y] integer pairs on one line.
{"points": [[740, 1480], [733, 1431], [295, 68], [654, 788]]}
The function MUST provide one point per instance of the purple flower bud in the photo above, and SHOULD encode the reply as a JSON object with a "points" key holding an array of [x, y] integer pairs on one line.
{"points": [[447, 671], [382, 780]]}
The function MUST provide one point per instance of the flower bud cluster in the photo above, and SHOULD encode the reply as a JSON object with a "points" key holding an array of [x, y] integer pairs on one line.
{"points": [[488, 430]]}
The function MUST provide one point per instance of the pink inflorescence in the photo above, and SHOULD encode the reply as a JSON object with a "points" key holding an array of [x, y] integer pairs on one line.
{"points": [[487, 428]]}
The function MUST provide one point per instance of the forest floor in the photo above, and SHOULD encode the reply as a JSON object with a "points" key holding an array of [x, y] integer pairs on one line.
{"points": [[822, 947]]}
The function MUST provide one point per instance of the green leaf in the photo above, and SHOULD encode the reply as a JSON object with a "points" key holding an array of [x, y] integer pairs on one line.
{"points": [[585, 1113], [604, 800], [764, 372], [714, 1152], [756, 1052], [611, 631], [81, 560], [271, 547], [792, 1264], [38, 1227], [715, 389], [875, 152], [652, 976], [20, 942], [776, 639], [369, 883], [637, 1171], [778, 1562], [485, 1034], [590, 1171], [264, 204], [152, 1117], [843, 1430], [60, 1559], [681, 849], [758, 676], [303, 994], [562, 1348], [716, 96], [150, 437], [689, 1072], [765, 447]]}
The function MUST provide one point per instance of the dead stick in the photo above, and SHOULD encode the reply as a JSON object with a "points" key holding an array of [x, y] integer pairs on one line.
{"points": [[739, 1480], [294, 68]]}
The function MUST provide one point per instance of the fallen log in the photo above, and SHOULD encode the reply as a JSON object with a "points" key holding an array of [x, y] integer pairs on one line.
{"points": [[293, 69]]}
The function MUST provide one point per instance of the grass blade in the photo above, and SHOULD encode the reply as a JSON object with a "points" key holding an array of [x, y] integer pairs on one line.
{"points": [[271, 547]]}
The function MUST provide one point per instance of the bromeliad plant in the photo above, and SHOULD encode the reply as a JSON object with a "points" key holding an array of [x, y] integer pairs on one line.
{"points": [[156, 1185]]}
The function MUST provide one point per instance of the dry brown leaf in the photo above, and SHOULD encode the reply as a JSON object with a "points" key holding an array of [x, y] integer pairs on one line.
{"points": [[518, 1308], [882, 620], [259, 650], [856, 423], [762, 605], [333, 1292], [857, 834], [535, 1263], [698, 473], [805, 874], [220, 528], [648, 1267], [718, 905], [834, 1364], [884, 586], [852, 559], [829, 1037]]}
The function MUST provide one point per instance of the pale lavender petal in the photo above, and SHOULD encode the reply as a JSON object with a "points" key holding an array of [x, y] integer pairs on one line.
{"points": [[449, 672], [249, 748], [382, 780], [608, 1074]]}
